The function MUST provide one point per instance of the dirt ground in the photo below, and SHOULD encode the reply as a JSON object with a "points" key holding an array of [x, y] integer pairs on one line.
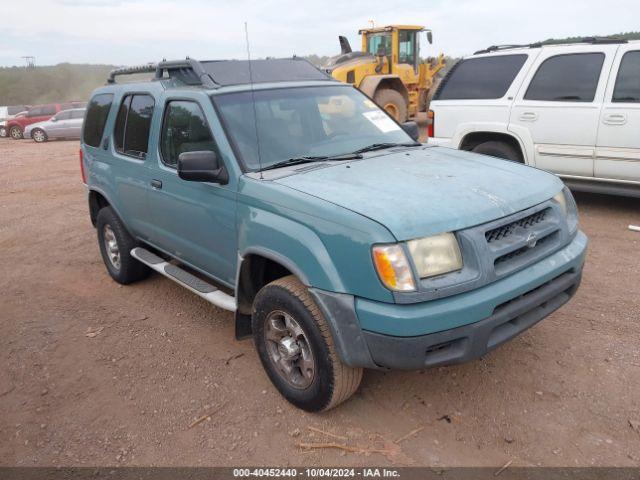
{"points": [[94, 373]]}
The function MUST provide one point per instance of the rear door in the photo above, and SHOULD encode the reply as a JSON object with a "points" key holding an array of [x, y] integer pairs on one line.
{"points": [[75, 124], [558, 107], [618, 145]]}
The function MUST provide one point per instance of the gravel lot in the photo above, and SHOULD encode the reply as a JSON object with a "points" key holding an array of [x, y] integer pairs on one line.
{"points": [[98, 374]]}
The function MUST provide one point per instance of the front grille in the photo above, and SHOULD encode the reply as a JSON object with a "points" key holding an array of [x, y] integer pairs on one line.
{"points": [[509, 229], [522, 250]]}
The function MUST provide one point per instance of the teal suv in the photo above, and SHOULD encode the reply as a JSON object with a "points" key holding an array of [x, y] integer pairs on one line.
{"points": [[337, 239]]}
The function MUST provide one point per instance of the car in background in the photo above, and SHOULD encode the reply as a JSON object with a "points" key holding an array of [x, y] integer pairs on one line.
{"points": [[572, 109], [38, 113], [65, 124], [7, 113]]}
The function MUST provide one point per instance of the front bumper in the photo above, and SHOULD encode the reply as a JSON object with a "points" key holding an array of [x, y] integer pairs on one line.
{"points": [[454, 329]]}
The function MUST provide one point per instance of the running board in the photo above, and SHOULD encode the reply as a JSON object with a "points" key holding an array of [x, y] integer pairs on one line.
{"points": [[198, 286]]}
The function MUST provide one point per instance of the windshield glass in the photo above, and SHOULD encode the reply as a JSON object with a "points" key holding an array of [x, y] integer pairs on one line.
{"points": [[304, 121]]}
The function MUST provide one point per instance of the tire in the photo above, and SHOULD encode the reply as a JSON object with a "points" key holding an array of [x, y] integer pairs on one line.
{"points": [[393, 102], [15, 132], [39, 135], [499, 149], [111, 229], [331, 382]]}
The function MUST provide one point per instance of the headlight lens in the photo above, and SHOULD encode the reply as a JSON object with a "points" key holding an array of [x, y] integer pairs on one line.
{"points": [[436, 255], [393, 268], [569, 208]]}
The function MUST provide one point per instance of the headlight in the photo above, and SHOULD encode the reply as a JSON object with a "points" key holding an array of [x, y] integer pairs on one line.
{"points": [[569, 208], [436, 255], [393, 268]]}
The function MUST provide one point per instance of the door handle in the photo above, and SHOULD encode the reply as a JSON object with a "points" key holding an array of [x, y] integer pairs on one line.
{"points": [[157, 184], [615, 119], [529, 117]]}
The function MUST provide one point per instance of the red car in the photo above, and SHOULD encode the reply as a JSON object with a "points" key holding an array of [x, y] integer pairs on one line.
{"points": [[37, 113]]}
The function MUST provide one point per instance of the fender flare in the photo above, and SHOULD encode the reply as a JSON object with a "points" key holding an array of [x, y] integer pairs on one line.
{"points": [[369, 85]]}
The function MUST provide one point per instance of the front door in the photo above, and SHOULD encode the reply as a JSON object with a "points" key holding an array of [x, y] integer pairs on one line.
{"points": [[193, 221], [560, 107], [58, 124], [618, 145]]}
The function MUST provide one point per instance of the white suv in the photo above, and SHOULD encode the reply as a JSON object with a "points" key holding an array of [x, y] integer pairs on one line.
{"points": [[572, 109]]}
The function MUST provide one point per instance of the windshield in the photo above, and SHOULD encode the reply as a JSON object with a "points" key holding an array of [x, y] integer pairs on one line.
{"points": [[304, 122]]}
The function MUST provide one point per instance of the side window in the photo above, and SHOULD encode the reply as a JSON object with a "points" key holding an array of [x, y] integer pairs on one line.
{"points": [[77, 114], [131, 133], [184, 129], [406, 47], [567, 78], [64, 115], [49, 110], [481, 78], [35, 112], [627, 87], [378, 40], [97, 113]]}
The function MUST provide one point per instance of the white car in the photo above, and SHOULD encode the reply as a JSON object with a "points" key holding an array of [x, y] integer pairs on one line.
{"points": [[572, 109]]}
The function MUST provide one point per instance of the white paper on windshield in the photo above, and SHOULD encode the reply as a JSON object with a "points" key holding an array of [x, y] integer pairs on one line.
{"points": [[381, 121]]}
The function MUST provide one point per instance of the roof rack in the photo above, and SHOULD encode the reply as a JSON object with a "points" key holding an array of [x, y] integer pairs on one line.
{"points": [[222, 73], [189, 71], [591, 40]]}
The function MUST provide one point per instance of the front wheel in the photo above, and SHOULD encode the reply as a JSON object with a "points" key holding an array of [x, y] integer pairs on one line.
{"points": [[296, 348], [393, 102], [15, 132], [39, 135]]}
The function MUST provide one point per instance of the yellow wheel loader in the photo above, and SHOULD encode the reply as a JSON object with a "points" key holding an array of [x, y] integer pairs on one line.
{"points": [[388, 69]]}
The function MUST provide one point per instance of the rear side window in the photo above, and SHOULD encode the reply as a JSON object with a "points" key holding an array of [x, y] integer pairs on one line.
{"points": [[131, 134], [97, 113], [627, 87], [184, 129], [77, 114], [567, 78], [481, 78]]}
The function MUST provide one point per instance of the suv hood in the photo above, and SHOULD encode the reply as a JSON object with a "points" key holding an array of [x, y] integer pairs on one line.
{"points": [[425, 191]]}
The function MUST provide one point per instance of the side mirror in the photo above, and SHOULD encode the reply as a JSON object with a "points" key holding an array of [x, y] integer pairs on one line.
{"points": [[54, 119], [202, 166], [429, 36], [412, 129]]}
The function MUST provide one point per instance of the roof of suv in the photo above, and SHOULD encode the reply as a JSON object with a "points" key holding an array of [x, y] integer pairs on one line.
{"points": [[582, 41], [219, 74]]}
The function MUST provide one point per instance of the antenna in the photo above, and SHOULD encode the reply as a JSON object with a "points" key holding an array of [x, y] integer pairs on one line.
{"points": [[253, 99]]}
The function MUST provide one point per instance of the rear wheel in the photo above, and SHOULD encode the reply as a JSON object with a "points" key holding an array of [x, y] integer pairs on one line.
{"points": [[296, 348], [393, 102], [15, 132], [115, 246], [498, 149], [39, 135]]}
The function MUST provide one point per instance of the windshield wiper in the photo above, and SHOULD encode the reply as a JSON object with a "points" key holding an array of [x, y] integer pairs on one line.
{"points": [[295, 161], [382, 146]]}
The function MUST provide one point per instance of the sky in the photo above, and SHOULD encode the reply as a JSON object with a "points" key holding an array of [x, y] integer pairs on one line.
{"points": [[128, 32]]}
